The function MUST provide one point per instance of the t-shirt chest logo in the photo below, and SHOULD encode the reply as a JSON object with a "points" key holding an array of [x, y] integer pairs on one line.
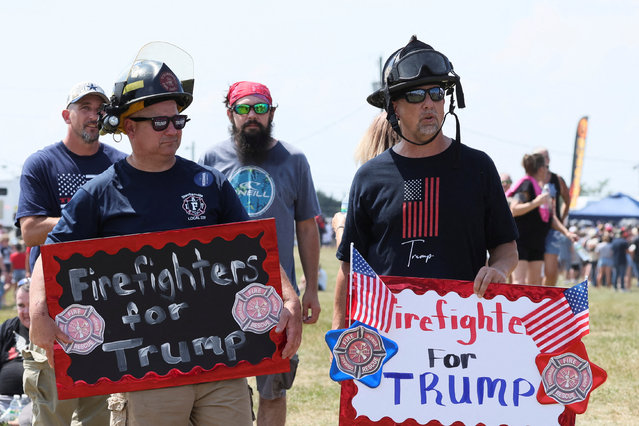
{"points": [[194, 206], [255, 189]]}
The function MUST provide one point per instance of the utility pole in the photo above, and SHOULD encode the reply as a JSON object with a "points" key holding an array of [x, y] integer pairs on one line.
{"points": [[378, 84]]}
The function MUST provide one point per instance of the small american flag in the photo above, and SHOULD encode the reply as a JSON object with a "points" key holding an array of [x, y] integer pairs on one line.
{"points": [[372, 302], [559, 322], [420, 209]]}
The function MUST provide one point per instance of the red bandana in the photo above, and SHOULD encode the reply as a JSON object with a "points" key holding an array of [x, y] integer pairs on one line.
{"points": [[242, 89]]}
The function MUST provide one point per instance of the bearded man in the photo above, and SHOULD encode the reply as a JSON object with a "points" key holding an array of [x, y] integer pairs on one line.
{"points": [[272, 179]]}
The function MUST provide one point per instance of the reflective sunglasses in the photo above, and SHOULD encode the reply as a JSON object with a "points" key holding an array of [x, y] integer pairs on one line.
{"points": [[419, 95], [243, 109], [161, 122]]}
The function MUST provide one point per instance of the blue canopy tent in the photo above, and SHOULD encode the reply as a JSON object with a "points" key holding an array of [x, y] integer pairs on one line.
{"points": [[612, 208]]}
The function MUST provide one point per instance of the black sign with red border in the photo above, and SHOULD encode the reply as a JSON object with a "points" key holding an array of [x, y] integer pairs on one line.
{"points": [[165, 309]]}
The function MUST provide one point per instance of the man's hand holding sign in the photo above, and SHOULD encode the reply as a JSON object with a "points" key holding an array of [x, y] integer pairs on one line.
{"points": [[44, 331]]}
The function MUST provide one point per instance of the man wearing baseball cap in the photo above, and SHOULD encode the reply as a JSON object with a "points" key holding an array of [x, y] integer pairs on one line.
{"points": [[49, 179], [272, 179]]}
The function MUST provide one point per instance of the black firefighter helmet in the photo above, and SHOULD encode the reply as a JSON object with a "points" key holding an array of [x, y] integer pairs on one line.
{"points": [[147, 82], [415, 64]]}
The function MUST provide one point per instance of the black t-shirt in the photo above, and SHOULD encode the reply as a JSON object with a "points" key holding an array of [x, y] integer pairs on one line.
{"points": [[532, 229], [14, 337], [432, 217]]}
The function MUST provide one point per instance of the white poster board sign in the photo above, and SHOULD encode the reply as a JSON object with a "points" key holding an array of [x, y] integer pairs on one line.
{"points": [[460, 359]]}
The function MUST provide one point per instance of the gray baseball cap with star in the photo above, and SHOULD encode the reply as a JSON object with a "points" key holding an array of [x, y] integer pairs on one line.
{"points": [[80, 90]]}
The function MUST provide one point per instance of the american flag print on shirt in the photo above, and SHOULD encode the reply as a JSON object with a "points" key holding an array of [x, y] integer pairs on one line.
{"points": [[420, 209], [69, 183]]}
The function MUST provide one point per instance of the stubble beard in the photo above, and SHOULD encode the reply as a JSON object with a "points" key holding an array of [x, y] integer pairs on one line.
{"points": [[428, 130], [89, 136]]}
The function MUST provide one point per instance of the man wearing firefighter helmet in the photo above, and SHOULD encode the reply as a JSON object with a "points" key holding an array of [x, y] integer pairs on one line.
{"points": [[143, 193], [429, 206]]}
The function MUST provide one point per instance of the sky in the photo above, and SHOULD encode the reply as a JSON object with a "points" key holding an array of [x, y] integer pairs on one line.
{"points": [[530, 70]]}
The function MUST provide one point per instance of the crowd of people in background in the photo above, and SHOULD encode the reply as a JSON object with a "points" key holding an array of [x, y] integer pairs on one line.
{"points": [[550, 246], [14, 338], [606, 254], [14, 332], [14, 265]]}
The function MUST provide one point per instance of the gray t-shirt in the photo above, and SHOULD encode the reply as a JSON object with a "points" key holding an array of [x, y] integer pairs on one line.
{"points": [[280, 187]]}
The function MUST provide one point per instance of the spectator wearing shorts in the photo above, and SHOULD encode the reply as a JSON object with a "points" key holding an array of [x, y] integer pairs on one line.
{"points": [[532, 209]]}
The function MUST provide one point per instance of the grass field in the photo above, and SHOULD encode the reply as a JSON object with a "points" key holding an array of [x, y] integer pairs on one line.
{"points": [[613, 344]]}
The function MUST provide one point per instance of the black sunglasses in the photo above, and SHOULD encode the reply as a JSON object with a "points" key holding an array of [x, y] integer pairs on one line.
{"points": [[419, 95], [161, 122]]}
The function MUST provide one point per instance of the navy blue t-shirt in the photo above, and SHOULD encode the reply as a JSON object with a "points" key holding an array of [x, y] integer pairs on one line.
{"points": [[619, 249], [431, 217], [52, 175], [124, 200]]}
